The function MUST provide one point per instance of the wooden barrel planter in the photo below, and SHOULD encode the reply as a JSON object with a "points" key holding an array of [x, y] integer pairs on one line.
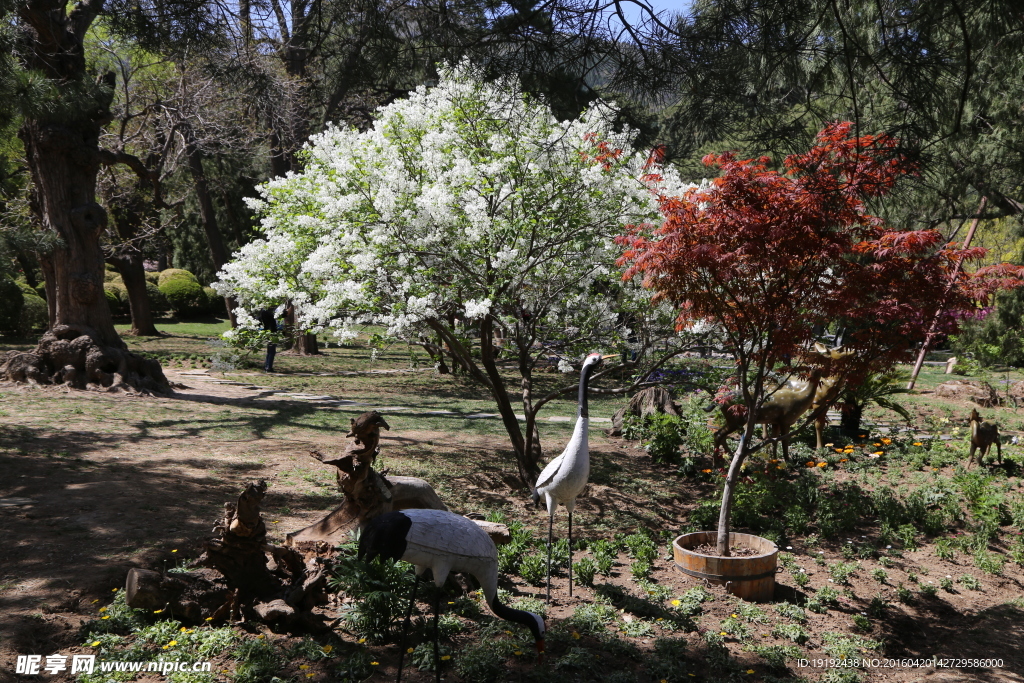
{"points": [[751, 578]]}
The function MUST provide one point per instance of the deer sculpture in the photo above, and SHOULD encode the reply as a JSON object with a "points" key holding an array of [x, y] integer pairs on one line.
{"points": [[828, 390], [780, 411], [983, 435]]}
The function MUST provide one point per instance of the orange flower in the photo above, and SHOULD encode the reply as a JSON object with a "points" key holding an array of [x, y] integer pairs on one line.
{"points": [[810, 463], [822, 464]]}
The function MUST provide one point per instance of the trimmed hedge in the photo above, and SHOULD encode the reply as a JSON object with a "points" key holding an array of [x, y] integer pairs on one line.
{"points": [[157, 300], [117, 298], [153, 276], [35, 316], [186, 297], [175, 274], [214, 302], [12, 301], [112, 276]]}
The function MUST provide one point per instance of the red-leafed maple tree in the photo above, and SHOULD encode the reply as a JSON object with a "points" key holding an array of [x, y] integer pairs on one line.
{"points": [[769, 256]]}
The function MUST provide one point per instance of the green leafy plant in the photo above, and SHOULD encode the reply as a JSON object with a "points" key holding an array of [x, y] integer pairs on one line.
{"points": [[861, 622], [776, 656], [793, 632], [583, 572], [842, 571], [533, 569], [970, 582], [790, 611], [380, 588]]}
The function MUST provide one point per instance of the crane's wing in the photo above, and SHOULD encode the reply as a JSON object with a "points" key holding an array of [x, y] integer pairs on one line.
{"points": [[549, 472]]}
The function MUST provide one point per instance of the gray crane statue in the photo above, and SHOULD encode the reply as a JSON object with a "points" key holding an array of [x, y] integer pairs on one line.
{"points": [[442, 542], [566, 476]]}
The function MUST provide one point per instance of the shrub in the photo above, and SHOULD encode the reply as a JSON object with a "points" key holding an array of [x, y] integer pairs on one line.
{"points": [[35, 316], [157, 301], [214, 302], [111, 275], [117, 298], [184, 295], [12, 300], [166, 276], [153, 276]]}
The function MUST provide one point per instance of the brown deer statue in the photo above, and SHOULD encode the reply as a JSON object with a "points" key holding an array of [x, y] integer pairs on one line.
{"points": [[780, 411], [983, 435], [828, 390]]}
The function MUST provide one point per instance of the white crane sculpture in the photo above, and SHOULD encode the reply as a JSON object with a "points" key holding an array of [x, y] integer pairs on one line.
{"points": [[566, 476], [442, 542]]}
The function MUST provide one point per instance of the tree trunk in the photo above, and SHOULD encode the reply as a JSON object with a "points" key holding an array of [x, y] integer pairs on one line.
{"points": [[62, 152], [207, 212], [302, 343], [527, 451], [133, 275]]}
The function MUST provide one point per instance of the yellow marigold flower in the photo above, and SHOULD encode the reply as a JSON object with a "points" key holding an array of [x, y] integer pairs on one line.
{"points": [[374, 663], [750, 671], [876, 444], [362, 640], [310, 675], [822, 464], [105, 616], [157, 611], [175, 550], [164, 647], [103, 609], [94, 643], [209, 618], [172, 643], [113, 590], [879, 453], [260, 636], [722, 633], [706, 471], [918, 443], [445, 658], [838, 450], [326, 649], [843, 460], [518, 652], [887, 441], [409, 651], [676, 603], [303, 666], [733, 616], [183, 629], [575, 635]]}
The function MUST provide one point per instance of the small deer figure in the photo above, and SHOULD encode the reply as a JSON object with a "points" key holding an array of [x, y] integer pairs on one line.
{"points": [[983, 435]]}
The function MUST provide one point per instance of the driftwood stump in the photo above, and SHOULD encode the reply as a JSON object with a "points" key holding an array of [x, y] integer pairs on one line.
{"points": [[369, 493], [649, 401], [241, 576]]}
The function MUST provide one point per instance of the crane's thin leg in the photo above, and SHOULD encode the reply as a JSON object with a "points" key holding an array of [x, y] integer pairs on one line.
{"points": [[570, 553], [551, 521], [437, 637], [405, 629]]}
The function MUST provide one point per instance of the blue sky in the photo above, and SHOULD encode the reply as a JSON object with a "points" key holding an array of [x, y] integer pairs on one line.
{"points": [[659, 5]]}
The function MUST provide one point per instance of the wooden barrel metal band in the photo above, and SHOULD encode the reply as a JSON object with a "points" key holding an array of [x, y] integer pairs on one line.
{"points": [[724, 577]]}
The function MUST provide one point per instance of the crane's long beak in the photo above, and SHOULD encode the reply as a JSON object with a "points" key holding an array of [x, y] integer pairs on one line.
{"points": [[540, 651], [609, 355]]}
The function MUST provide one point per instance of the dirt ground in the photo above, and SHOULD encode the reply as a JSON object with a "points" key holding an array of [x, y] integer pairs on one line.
{"points": [[83, 500]]}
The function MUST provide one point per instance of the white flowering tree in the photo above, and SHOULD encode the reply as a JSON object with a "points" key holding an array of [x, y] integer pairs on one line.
{"points": [[471, 221]]}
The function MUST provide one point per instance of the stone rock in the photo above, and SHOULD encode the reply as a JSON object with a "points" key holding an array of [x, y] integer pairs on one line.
{"points": [[981, 393]]}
